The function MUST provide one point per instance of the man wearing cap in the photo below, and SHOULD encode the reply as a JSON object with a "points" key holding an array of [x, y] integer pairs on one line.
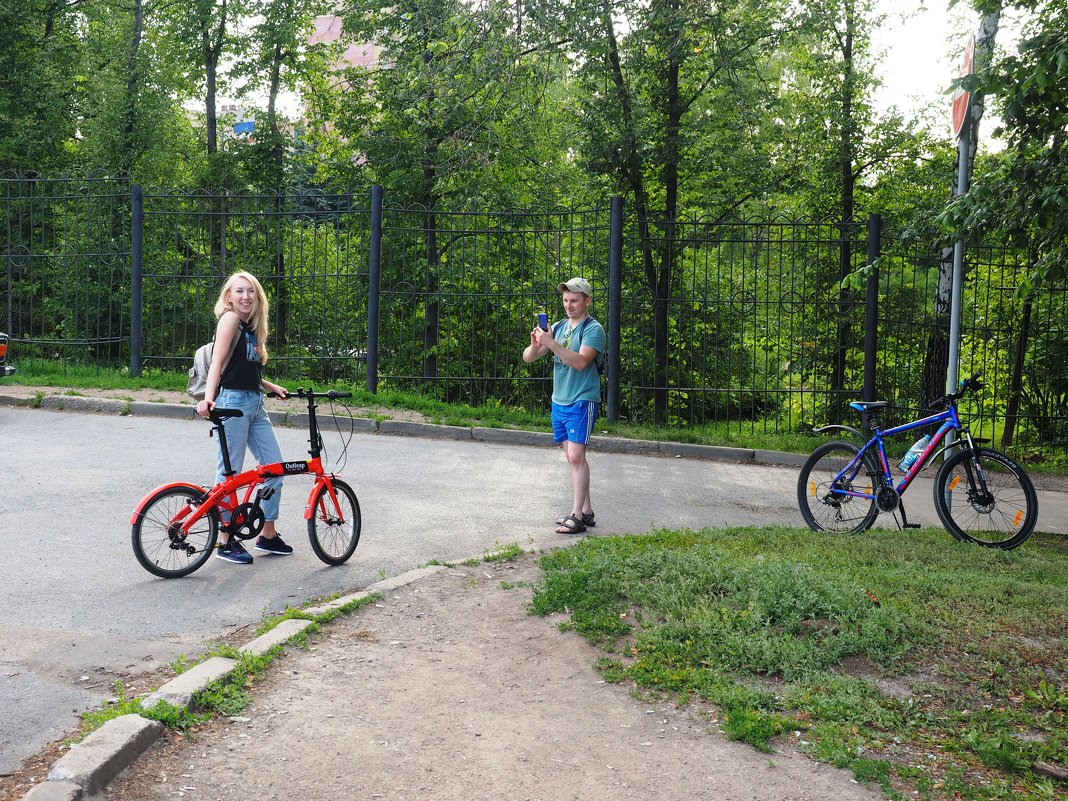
{"points": [[576, 344]]}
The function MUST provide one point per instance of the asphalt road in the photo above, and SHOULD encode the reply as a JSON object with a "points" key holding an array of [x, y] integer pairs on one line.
{"points": [[79, 609]]}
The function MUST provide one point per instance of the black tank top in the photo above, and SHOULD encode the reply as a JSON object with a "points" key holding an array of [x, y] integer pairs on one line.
{"points": [[244, 370]]}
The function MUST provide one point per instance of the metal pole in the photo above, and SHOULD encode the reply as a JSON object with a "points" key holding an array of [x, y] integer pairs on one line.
{"points": [[955, 301], [374, 286], [956, 295], [137, 277], [871, 307], [615, 294]]}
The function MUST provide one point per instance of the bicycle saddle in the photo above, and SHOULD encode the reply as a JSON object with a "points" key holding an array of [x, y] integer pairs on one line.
{"points": [[223, 414], [868, 406]]}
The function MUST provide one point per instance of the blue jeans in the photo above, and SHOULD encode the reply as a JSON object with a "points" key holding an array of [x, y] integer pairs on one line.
{"points": [[255, 432]]}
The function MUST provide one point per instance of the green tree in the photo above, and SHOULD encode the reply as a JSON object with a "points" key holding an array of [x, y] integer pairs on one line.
{"points": [[440, 116], [845, 150], [675, 113], [1022, 192], [39, 52], [129, 93], [277, 59], [204, 33]]}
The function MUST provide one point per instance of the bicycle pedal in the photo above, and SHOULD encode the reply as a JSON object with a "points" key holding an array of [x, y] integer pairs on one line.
{"points": [[264, 493], [912, 525]]}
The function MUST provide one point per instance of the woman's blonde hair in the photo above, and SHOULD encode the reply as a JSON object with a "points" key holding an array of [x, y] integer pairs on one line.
{"points": [[260, 309]]}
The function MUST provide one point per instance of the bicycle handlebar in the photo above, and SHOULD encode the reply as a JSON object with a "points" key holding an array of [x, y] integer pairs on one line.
{"points": [[332, 394], [300, 392], [972, 384], [217, 415]]}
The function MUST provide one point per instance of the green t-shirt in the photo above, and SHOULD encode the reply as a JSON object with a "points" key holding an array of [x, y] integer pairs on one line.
{"points": [[571, 385]]}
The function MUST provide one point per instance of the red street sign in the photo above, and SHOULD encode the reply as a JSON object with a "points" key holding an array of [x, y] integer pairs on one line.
{"points": [[960, 97]]}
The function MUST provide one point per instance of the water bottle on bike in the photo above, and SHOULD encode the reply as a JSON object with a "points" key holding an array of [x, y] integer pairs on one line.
{"points": [[913, 453]]}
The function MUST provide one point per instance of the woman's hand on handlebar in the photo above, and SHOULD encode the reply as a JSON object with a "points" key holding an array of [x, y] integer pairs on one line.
{"points": [[274, 390]]}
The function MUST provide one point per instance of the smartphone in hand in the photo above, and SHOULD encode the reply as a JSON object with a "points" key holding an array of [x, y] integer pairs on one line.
{"points": [[543, 322]]}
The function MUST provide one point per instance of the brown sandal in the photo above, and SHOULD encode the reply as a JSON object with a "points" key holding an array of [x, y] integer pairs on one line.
{"points": [[587, 520], [571, 525]]}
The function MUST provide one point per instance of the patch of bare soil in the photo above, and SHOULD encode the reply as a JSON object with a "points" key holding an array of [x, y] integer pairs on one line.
{"points": [[448, 689]]}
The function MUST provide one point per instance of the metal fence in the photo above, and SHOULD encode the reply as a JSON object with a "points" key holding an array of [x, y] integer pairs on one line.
{"points": [[756, 332]]}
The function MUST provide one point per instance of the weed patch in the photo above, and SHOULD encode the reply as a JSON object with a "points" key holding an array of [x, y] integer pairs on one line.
{"points": [[792, 634]]}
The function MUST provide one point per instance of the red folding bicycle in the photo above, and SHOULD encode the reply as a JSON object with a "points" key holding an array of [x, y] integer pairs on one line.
{"points": [[176, 525]]}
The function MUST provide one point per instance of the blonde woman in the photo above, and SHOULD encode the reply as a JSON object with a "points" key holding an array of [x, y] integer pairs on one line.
{"points": [[236, 382]]}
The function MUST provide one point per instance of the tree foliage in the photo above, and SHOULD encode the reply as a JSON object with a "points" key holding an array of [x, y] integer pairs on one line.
{"points": [[39, 50], [1023, 191], [696, 113]]}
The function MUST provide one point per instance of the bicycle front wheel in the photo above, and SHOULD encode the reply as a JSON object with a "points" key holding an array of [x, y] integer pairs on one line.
{"points": [[822, 488], [1002, 515], [159, 543], [334, 529]]}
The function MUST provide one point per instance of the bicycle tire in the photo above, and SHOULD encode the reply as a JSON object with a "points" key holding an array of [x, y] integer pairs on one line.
{"points": [[1004, 519], [155, 538], [842, 514], [334, 540]]}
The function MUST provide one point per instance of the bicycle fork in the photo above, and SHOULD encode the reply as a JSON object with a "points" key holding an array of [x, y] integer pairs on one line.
{"points": [[978, 490], [328, 508]]}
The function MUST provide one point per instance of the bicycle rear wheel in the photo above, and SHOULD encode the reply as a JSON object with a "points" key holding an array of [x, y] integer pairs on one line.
{"points": [[334, 530], [820, 494], [158, 541], [1002, 516]]}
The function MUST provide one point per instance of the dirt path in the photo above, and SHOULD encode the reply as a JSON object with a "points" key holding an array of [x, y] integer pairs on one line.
{"points": [[448, 689]]}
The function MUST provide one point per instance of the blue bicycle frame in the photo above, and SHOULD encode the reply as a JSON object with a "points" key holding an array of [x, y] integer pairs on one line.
{"points": [[950, 422]]}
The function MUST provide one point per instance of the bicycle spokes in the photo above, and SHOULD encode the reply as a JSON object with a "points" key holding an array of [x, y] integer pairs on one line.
{"points": [[986, 498], [164, 541], [334, 521], [830, 489]]}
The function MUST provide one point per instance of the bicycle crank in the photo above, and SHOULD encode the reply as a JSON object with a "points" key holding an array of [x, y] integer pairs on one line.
{"points": [[246, 522], [887, 499]]}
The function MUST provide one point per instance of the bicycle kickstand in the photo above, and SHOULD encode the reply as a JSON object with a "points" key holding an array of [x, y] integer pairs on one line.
{"points": [[905, 518]]}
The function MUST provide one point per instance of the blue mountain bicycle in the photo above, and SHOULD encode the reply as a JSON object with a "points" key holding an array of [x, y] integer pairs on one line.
{"points": [[980, 495]]}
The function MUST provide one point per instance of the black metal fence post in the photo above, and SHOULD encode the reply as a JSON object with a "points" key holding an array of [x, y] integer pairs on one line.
{"points": [[374, 286], [871, 308], [137, 263], [615, 289]]}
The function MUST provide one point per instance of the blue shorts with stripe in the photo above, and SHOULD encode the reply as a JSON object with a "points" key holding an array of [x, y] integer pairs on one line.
{"points": [[574, 422]]}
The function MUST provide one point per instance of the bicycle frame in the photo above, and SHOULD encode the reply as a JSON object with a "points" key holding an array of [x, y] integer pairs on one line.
{"points": [[226, 496], [950, 421]]}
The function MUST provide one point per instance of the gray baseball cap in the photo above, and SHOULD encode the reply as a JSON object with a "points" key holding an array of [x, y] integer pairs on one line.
{"points": [[577, 285]]}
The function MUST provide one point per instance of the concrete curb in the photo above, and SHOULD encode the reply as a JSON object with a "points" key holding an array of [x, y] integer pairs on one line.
{"points": [[90, 765], [408, 428], [413, 429], [180, 690], [105, 753], [81, 403]]}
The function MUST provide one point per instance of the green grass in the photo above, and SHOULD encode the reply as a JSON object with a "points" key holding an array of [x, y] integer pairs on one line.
{"points": [[794, 635], [48, 373], [177, 718], [503, 552]]}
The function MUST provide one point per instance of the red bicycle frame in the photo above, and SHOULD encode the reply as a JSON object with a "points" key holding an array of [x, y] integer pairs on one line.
{"points": [[225, 496]]}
